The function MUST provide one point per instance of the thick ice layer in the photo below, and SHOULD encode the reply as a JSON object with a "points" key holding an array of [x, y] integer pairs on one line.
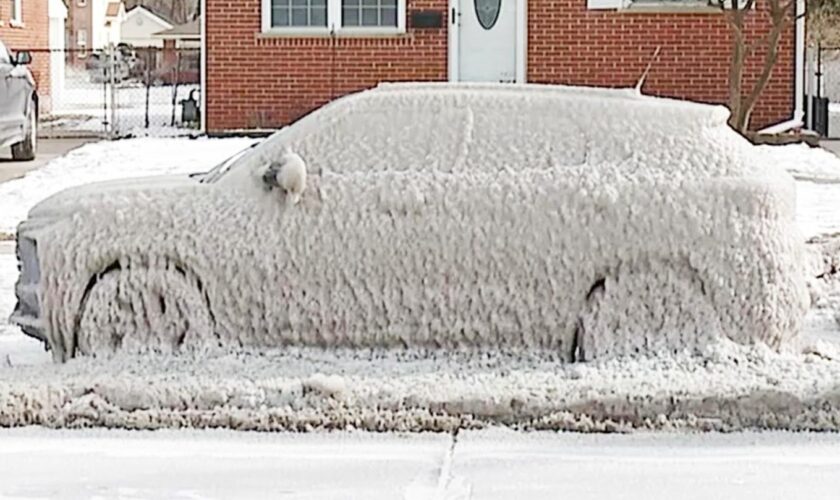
{"points": [[727, 388], [589, 223]]}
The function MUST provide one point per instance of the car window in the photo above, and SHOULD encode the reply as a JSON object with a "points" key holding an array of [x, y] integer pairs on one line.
{"points": [[447, 134], [5, 58], [381, 137], [518, 133]]}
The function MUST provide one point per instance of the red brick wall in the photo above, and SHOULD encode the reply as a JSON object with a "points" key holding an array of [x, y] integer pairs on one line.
{"points": [[569, 44], [33, 35], [255, 81], [266, 82]]}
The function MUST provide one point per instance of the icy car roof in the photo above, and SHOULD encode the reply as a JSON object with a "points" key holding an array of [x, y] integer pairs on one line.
{"points": [[486, 128]]}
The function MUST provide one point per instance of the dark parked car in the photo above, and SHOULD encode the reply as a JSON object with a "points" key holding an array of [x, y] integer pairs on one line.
{"points": [[18, 105]]}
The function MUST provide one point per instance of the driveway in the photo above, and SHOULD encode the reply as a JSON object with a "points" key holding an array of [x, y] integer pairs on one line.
{"points": [[48, 149]]}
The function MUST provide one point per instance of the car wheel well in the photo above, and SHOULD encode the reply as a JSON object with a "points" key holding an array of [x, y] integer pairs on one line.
{"points": [[601, 284], [120, 265]]}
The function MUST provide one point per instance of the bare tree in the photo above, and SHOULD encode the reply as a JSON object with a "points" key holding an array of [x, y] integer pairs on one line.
{"points": [[780, 16], [824, 23]]}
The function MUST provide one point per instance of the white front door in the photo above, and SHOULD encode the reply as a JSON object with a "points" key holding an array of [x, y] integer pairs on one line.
{"points": [[487, 41]]}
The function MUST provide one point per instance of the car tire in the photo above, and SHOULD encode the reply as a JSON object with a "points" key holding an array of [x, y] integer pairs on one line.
{"points": [[26, 149], [644, 309], [160, 309]]}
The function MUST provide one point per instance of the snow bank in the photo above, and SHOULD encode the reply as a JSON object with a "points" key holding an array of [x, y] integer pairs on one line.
{"points": [[727, 388], [524, 224]]}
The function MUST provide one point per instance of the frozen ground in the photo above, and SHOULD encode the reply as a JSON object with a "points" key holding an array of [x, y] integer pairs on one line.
{"points": [[484, 465], [732, 387]]}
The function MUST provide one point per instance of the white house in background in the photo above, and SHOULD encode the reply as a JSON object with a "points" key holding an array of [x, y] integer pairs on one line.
{"points": [[140, 25], [110, 16]]}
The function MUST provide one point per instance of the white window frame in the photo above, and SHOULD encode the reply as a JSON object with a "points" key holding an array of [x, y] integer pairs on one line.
{"points": [[333, 23], [16, 18]]}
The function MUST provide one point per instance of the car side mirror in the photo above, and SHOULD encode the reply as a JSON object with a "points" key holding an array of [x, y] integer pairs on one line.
{"points": [[23, 57]]}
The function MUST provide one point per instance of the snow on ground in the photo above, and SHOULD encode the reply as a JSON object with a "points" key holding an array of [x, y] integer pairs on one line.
{"points": [[731, 387], [486, 465]]}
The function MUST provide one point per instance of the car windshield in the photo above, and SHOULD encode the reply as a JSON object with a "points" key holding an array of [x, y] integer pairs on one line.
{"points": [[222, 168]]}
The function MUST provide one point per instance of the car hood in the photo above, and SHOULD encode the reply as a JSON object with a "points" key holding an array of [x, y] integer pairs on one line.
{"points": [[103, 194]]}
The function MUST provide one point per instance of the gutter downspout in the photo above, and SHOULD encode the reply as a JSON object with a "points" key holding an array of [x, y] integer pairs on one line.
{"points": [[799, 65], [799, 76], [203, 61]]}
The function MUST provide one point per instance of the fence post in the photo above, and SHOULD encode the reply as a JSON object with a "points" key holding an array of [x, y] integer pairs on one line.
{"points": [[113, 95], [175, 81]]}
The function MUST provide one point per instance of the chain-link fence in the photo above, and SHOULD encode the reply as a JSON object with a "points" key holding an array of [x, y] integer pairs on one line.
{"points": [[121, 91]]}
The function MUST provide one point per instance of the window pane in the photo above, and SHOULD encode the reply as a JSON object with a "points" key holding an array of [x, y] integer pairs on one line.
{"points": [[280, 16], [319, 16], [350, 16], [389, 17], [370, 3], [350, 3], [300, 3], [389, 3], [370, 17], [318, 3], [300, 16]]}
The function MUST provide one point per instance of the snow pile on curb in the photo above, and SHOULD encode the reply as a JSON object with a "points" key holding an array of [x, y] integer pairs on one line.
{"points": [[729, 388], [107, 161]]}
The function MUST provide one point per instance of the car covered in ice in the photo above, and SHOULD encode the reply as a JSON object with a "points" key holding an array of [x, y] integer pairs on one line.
{"points": [[588, 222]]}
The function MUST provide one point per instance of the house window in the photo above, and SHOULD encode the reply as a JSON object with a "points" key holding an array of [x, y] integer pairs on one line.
{"points": [[298, 13], [81, 42], [369, 13], [333, 16], [17, 12]]}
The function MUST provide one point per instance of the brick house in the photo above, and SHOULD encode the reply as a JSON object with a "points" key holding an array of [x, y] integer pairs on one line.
{"points": [[269, 62], [92, 25], [24, 25]]}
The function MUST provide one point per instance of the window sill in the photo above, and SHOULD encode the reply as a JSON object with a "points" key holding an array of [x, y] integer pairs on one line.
{"points": [[14, 23], [672, 7], [345, 33]]}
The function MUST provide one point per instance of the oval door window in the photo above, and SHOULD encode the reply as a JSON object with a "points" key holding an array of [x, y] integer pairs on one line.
{"points": [[487, 12]]}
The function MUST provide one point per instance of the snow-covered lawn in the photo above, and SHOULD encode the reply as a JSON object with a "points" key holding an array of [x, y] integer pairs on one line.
{"points": [[486, 465]]}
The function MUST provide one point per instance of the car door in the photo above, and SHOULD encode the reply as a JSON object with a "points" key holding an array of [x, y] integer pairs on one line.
{"points": [[6, 90]]}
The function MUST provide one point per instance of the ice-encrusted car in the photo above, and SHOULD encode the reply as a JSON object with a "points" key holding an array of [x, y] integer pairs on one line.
{"points": [[589, 222]]}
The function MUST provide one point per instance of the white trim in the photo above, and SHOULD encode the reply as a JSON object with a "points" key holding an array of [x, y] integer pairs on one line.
{"points": [[452, 41], [202, 82], [17, 19], [521, 41], [453, 61], [333, 26]]}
